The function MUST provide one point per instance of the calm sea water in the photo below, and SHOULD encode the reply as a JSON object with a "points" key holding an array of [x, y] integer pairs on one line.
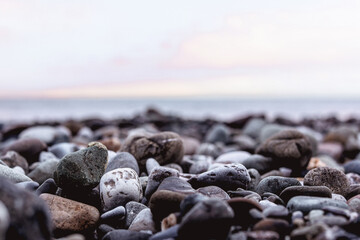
{"points": [[220, 108]]}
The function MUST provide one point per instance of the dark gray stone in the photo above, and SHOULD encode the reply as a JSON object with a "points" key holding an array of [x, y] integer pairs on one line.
{"points": [[306, 203], [275, 184], [227, 177], [82, 170], [123, 160]]}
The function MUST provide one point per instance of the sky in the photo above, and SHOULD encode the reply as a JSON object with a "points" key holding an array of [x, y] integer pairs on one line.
{"points": [[161, 48]]}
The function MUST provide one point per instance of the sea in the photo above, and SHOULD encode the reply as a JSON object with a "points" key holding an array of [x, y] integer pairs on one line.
{"points": [[20, 110]]}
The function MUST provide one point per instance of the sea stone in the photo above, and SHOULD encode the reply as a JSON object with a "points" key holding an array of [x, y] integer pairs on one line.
{"points": [[126, 234], [241, 207], [165, 147], [164, 202], [29, 148], [332, 178], [69, 215], [352, 166], [227, 177], [123, 160], [157, 175], [253, 127], [13, 175], [118, 187], [44, 171], [113, 143], [218, 133], [176, 184], [315, 191], [305, 203], [62, 149], [47, 134], [143, 221], [213, 192], [275, 184], [132, 209], [233, 157], [4, 220], [212, 218], [13, 159], [83, 169], [288, 148], [29, 215], [260, 163]]}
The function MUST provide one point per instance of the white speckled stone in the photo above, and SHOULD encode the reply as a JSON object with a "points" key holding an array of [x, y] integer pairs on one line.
{"points": [[118, 187]]}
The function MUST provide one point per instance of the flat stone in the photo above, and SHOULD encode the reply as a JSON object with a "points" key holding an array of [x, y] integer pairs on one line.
{"points": [[213, 192], [315, 191], [176, 184], [227, 177], [69, 215], [48, 186], [269, 224], [118, 187], [275, 184], [123, 160], [126, 234], [306, 203], [233, 157]]}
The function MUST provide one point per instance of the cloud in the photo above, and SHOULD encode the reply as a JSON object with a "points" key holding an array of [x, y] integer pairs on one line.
{"points": [[316, 37]]}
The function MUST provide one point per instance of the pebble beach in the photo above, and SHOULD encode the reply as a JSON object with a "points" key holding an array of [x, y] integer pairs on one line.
{"points": [[158, 176]]}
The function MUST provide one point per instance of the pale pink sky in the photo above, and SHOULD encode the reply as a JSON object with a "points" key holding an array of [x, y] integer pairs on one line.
{"points": [[179, 48]]}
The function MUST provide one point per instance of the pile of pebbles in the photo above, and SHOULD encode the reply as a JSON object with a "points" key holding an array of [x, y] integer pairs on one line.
{"points": [[159, 177]]}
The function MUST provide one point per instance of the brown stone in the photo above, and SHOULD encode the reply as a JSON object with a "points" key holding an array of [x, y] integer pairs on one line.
{"points": [[112, 144], [29, 148], [69, 215]]}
